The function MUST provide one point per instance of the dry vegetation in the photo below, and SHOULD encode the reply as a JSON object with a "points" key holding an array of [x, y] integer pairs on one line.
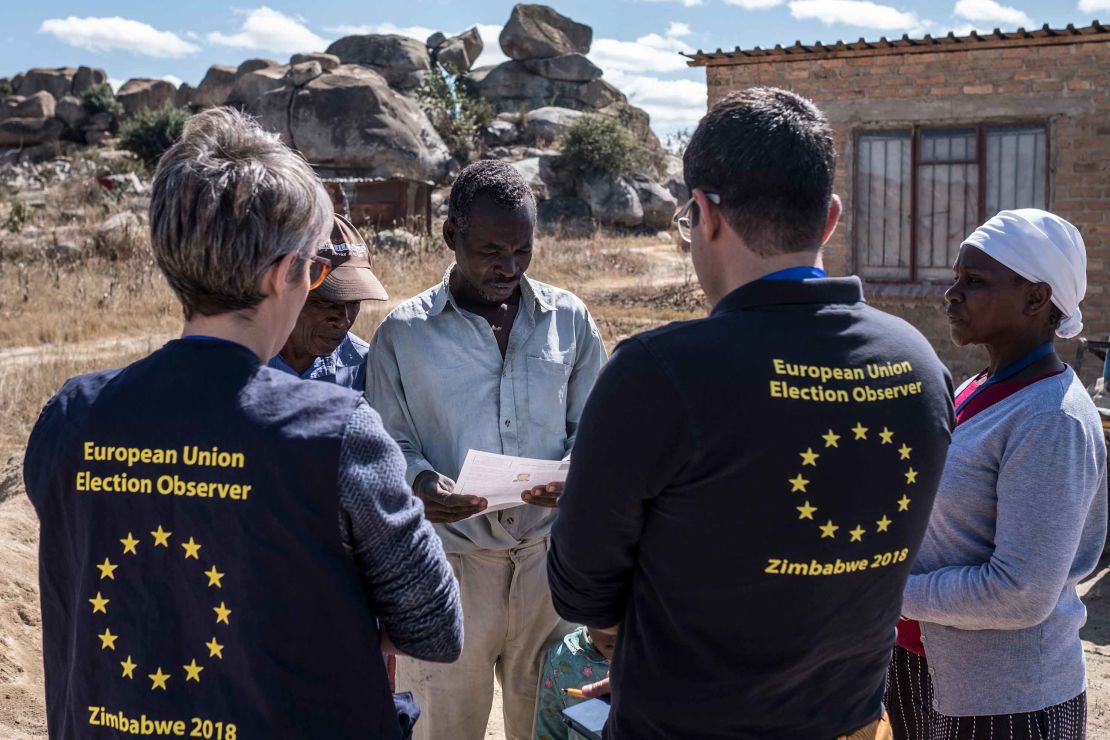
{"points": [[75, 296]]}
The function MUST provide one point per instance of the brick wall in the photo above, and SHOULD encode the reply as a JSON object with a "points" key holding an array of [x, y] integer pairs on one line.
{"points": [[1063, 84]]}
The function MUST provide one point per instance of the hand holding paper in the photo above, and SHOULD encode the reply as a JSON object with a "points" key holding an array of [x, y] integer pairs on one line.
{"points": [[543, 495], [502, 480]]}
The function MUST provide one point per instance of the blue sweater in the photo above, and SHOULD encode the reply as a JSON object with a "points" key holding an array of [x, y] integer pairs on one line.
{"points": [[1019, 519]]}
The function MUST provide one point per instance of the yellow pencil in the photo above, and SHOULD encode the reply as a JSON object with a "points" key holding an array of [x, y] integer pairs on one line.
{"points": [[576, 693]]}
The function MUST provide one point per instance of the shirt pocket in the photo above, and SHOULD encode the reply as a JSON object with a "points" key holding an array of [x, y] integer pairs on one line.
{"points": [[547, 392]]}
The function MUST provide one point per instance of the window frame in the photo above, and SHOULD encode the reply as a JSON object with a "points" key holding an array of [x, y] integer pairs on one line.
{"points": [[915, 130]]}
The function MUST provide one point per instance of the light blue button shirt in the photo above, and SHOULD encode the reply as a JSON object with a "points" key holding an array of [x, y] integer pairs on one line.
{"points": [[436, 376], [346, 366]]}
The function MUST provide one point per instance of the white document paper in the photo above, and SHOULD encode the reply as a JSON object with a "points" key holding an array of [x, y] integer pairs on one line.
{"points": [[500, 479]]}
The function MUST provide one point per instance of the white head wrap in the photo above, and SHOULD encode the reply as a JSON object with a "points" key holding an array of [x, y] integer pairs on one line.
{"points": [[1042, 248]]}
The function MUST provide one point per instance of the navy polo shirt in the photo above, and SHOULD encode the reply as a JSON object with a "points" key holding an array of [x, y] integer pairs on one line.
{"points": [[745, 499]]}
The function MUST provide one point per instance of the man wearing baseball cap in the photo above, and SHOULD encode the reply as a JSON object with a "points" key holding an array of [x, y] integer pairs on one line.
{"points": [[322, 346]]}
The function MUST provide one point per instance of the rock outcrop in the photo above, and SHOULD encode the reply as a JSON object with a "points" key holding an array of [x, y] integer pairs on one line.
{"points": [[145, 94], [352, 119], [457, 53], [215, 88], [353, 110], [401, 60], [253, 65], [538, 32], [328, 62], [58, 81]]}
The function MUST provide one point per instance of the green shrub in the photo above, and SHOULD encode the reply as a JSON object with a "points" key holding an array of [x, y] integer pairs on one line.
{"points": [[101, 99], [150, 133], [596, 144], [5, 88], [18, 216], [457, 117]]}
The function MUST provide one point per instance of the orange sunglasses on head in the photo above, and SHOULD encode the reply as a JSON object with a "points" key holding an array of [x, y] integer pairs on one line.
{"points": [[318, 269]]}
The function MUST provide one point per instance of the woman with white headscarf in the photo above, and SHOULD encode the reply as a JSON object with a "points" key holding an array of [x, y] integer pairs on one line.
{"points": [[989, 646]]}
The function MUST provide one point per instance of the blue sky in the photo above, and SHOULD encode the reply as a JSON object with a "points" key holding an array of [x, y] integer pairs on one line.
{"points": [[635, 41]]}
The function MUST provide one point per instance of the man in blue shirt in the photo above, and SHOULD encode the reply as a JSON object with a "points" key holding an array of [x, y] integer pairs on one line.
{"points": [[321, 346], [491, 360]]}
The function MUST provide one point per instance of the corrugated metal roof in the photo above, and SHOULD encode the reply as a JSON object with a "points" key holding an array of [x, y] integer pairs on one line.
{"points": [[998, 39]]}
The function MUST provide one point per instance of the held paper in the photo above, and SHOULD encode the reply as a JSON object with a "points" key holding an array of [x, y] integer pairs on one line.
{"points": [[500, 479]]}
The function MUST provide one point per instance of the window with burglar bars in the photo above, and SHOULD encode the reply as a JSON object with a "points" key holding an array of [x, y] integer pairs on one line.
{"points": [[919, 192]]}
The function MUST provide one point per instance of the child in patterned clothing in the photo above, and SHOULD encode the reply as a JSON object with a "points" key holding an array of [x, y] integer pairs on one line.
{"points": [[580, 658]]}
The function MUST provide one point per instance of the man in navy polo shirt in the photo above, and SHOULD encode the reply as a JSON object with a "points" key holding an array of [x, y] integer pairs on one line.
{"points": [[224, 549], [748, 490]]}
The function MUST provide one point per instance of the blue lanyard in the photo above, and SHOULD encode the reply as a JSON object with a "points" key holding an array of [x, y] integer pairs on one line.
{"points": [[796, 273], [1010, 371]]}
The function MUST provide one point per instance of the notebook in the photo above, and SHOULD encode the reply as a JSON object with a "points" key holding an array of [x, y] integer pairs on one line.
{"points": [[588, 718]]}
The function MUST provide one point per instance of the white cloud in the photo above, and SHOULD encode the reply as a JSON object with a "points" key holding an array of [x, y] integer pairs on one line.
{"points": [[115, 83], [989, 11], [1094, 6], [416, 32], [173, 80], [264, 28], [105, 34], [672, 104], [650, 53], [860, 13], [755, 4]]}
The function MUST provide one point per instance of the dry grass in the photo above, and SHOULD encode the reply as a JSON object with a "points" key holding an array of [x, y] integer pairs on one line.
{"points": [[106, 304]]}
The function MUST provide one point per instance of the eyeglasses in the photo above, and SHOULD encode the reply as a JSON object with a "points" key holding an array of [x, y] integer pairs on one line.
{"points": [[683, 218], [318, 269]]}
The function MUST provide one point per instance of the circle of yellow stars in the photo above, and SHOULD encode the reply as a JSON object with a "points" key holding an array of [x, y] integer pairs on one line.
{"points": [[190, 551], [800, 484]]}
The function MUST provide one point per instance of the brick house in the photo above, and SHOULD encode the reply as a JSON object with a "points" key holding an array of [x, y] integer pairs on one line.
{"points": [[935, 135]]}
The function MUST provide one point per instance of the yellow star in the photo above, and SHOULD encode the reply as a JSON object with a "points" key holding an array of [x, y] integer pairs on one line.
{"points": [[911, 476], [215, 649], [884, 523], [828, 530], [806, 511], [128, 667], [158, 679], [904, 503], [129, 544], [860, 430], [192, 671], [99, 603], [222, 613], [809, 457], [214, 577], [161, 536], [108, 640], [857, 533], [905, 451], [887, 435], [107, 570], [830, 439], [191, 549], [798, 484]]}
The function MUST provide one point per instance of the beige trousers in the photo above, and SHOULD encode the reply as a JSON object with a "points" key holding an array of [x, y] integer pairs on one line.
{"points": [[508, 625]]}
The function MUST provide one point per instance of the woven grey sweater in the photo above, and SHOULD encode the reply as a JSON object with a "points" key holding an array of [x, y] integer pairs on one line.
{"points": [[1019, 519]]}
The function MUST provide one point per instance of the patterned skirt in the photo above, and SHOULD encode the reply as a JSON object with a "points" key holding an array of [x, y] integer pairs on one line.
{"points": [[909, 702]]}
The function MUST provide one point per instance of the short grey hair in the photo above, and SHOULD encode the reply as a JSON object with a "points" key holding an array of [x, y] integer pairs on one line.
{"points": [[229, 200], [498, 180]]}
